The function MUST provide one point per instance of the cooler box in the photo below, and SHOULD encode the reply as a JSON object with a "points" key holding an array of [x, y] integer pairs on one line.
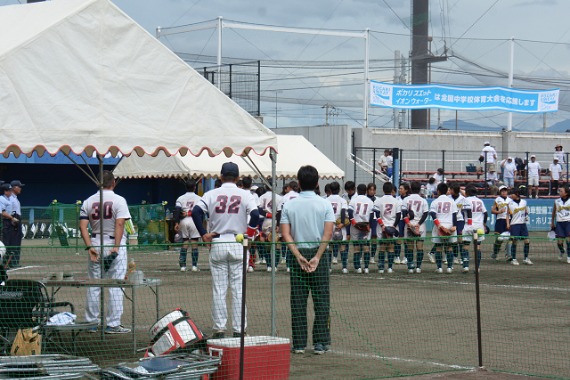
{"points": [[265, 357]]}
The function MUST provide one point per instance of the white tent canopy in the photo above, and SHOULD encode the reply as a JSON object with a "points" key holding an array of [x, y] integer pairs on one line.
{"points": [[294, 152], [80, 75]]}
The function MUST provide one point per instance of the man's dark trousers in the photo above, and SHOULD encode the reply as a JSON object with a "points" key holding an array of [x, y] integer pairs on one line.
{"points": [[317, 283]]}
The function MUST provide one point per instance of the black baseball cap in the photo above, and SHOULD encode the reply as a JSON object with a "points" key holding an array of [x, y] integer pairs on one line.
{"points": [[6, 186], [230, 169], [17, 182]]}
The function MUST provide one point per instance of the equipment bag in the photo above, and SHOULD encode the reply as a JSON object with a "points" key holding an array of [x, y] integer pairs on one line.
{"points": [[27, 342], [174, 331]]}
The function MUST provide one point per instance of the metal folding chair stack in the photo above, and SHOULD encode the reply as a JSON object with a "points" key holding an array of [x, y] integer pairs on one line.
{"points": [[47, 367], [183, 366], [26, 304]]}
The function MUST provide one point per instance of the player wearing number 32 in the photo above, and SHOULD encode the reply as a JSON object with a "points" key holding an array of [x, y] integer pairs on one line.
{"points": [[115, 213], [228, 208]]}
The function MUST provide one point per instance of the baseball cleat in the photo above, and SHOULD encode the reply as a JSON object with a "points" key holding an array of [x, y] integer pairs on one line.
{"points": [[527, 261], [456, 261], [334, 260], [344, 270], [195, 269], [288, 270], [568, 260], [449, 270], [439, 270], [366, 271], [396, 260], [250, 269], [494, 256], [390, 270], [410, 271], [514, 262], [404, 261], [372, 261], [431, 258], [418, 270], [269, 269], [183, 269], [359, 270], [465, 270]]}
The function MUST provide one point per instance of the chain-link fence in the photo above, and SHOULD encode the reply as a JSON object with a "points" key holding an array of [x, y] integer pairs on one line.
{"points": [[59, 223], [386, 324]]}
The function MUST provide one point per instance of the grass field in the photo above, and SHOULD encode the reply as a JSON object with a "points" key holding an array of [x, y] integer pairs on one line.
{"points": [[382, 325]]}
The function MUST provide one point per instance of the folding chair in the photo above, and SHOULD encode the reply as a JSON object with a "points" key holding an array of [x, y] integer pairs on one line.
{"points": [[26, 304]]}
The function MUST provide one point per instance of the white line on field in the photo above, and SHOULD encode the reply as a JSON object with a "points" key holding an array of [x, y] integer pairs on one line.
{"points": [[525, 287], [395, 358]]}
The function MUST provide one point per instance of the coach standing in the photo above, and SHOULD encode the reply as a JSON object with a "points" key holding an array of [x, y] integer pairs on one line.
{"points": [[228, 208], [113, 215], [309, 221], [8, 219]]}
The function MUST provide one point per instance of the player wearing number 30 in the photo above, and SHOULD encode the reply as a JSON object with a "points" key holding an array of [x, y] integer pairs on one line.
{"points": [[228, 208], [115, 213], [444, 234]]}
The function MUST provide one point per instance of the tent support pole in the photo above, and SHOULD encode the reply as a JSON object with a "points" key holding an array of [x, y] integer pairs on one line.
{"points": [[273, 156], [101, 248]]}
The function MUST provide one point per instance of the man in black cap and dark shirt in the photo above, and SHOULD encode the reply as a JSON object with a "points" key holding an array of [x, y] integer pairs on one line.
{"points": [[16, 231]]}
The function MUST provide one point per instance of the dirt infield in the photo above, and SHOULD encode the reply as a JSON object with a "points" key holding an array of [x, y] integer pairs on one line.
{"points": [[382, 325]]}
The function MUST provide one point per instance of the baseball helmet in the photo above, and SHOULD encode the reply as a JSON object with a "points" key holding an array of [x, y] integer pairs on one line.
{"points": [[391, 232], [504, 236]]}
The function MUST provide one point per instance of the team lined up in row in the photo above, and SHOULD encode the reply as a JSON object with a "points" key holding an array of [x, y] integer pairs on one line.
{"points": [[373, 223]]}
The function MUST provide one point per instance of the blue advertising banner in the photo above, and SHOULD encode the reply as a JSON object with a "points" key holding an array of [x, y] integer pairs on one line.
{"points": [[540, 214], [463, 98]]}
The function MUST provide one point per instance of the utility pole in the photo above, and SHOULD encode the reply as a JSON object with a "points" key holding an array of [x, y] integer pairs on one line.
{"points": [[421, 55], [332, 109]]}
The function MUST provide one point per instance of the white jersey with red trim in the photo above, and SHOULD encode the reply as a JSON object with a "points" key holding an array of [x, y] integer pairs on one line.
{"points": [[361, 207], [287, 197], [114, 207], [417, 205], [265, 201], [228, 207], [187, 201], [444, 208], [518, 211], [478, 211], [338, 204], [461, 204], [388, 207]]}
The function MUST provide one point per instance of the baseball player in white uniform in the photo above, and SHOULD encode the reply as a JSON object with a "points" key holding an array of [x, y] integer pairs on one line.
{"points": [[519, 214], [340, 207], [417, 212], [113, 256], [292, 189], [228, 208], [360, 213], [265, 211], [389, 211], [185, 225], [476, 220], [501, 209], [444, 214], [560, 222]]}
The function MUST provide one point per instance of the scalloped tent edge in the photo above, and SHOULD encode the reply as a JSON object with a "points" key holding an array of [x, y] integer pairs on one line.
{"points": [[295, 151]]}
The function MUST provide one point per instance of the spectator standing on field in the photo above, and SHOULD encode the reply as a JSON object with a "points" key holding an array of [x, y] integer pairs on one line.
{"points": [[307, 224], [509, 172], [559, 152], [488, 156], [533, 168], [555, 169]]}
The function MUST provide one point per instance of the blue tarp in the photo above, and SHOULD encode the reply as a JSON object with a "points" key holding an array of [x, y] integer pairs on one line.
{"points": [[58, 159]]}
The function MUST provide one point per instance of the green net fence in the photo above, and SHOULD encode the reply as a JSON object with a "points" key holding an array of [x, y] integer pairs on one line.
{"points": [[59, 223], [381, 324]]}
